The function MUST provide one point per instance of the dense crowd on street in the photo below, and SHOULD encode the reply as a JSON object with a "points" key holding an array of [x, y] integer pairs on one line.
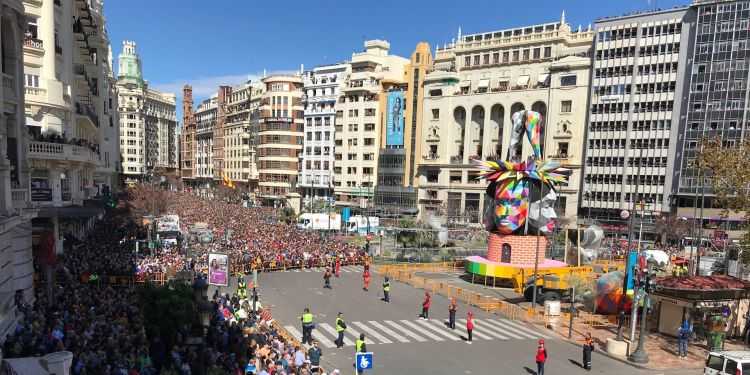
{"points": [[254, 238], [99, 323]]}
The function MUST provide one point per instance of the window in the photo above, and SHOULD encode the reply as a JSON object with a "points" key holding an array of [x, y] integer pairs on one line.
{"points": [[547, 52], [435, 114], [506, 57], [525, 55], [569, 80], [566, 106], [496, 58], [562, 149], [368, 127], [486, 59], [32, 80], [516, 54], [537, 53], [467, 61], [715, 362]]}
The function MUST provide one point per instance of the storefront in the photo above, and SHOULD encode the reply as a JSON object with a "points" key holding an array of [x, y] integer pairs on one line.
{"points": [[716, 306]]}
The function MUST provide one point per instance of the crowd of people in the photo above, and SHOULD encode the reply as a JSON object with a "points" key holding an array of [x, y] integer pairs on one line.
{"points": [[99, 323], [254, 238]]}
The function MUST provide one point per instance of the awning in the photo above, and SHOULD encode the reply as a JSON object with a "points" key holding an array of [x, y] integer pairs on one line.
{"points": [[483, 83], [523, 81], [31, 122], [69, 212], [543, 77], [465, 83]]}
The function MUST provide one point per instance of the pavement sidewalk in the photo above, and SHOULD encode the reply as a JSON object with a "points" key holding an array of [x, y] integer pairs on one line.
{"points": [[661, 349]]}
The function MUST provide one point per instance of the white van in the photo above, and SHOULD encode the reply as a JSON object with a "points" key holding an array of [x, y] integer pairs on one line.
{"points": [[727, 363]]}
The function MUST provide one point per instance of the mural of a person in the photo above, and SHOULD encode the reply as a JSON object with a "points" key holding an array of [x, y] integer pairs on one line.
{"points": [[396, 115]]}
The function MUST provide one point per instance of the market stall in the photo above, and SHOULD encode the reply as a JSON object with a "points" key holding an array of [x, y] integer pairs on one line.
{"points": [[716, 305]]}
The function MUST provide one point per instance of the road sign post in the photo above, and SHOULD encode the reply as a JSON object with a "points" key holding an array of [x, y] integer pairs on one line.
{"points": [[363, 361]]}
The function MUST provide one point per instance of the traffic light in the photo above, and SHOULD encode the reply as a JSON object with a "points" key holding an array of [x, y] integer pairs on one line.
{"points": [[650, 284]]}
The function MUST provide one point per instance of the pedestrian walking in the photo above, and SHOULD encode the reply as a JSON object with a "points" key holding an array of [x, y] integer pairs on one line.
{"points": [[469, 326], [340, 329], [366, 280], [541, 357], [386, 290], [426, 306], [307, 326], [683, 336], [588, 347], [338, 267], [452, 313], [314, 355], [327, 279]]}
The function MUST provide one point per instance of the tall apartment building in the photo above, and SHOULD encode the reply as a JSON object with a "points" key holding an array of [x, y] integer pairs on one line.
{"points": [[241, 134], [148, 121], [71, 114], [322, 87], [205, 123], [360, 117], [395, 192], [280, 135], [16, 264], [188, 145], [476, 85], [716, 84], [636, 101]]}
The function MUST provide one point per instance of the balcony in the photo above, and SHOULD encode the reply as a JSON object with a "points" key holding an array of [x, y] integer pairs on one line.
{"points": [[20, 198], [62, 152], [34, 44], [457, 159], [431, 157], [87, 112], [36, 94]]}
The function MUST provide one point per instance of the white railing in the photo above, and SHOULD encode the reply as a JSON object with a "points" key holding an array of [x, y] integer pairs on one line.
{"points": [[19, 197], [37, 91], [60, 151]]}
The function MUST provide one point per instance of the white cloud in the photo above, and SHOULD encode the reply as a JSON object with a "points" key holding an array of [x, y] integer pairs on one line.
{"points": [[203, 87], [207, 86]]}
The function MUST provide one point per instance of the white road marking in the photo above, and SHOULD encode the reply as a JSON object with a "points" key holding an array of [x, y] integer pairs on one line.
{"points": [[440, 330], [373, 333], [482, 334], [388, 331], [492, 330], [405, 331], [294, 332], [422, 330]]}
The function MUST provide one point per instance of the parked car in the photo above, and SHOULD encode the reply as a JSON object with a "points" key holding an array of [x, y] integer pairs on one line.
{"points": [[727, 363]]}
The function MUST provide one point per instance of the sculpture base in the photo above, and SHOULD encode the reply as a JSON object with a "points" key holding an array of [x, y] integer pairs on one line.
{"points": [[484, 267], [516, 249]]}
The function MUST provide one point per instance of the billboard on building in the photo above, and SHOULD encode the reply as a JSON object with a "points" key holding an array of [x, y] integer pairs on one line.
{"points": [[218, 269], [394, 119]]}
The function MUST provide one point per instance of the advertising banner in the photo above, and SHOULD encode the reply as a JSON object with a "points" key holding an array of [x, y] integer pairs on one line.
{"points": [[394, 119], [218, 269]]}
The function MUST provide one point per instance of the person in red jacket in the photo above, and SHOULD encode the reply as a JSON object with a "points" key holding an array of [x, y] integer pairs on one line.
{"points": [[541, 357], [469, 326], [366, 280], [338, 267], [426, 306]]}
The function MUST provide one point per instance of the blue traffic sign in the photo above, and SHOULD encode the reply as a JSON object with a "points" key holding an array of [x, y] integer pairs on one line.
{"points": [[364, 361]]}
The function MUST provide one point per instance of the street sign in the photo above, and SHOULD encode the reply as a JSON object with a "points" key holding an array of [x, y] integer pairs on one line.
{"points": [[364, 361]]}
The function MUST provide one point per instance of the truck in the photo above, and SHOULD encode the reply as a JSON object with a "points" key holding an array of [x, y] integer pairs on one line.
{"points": [[363, 224], [321, 222], [168, 229]]}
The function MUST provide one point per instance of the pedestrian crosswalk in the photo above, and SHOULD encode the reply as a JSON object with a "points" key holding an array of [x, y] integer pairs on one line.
{"points": [[347, 269], [421, 331]]}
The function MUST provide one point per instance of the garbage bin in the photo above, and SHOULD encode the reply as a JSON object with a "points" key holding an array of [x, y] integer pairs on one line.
{"points": [[715, 341]]}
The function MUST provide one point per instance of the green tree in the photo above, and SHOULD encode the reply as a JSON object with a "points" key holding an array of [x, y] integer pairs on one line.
{"points": [[727, 167], [166, 309]]}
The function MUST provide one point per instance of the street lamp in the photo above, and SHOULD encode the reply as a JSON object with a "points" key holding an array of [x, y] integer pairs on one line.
{"points": [[640, 355]]}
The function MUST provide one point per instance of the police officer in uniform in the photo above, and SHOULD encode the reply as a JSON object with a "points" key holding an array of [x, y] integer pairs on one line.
{"points": [[241, 288], [340, 328], [386, 290], [360, 347], [307, 326]]}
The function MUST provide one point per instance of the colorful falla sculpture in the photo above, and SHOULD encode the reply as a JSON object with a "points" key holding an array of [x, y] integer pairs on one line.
{"points": [[508, 209]]}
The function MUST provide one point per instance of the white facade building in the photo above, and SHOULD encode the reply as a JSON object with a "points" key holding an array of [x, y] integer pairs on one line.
{"points": [[359, 128], [16, 262], [148, 137], [476, 85], [322, 88]]}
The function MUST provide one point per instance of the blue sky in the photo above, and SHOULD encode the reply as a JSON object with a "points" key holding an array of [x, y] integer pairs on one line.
{"points": [[211, 42]]}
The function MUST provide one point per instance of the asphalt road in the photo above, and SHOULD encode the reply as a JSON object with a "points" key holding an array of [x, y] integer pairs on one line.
{"points": [[404, 344]]}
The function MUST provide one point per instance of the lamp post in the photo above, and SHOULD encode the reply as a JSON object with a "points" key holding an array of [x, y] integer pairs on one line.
{"points": [[640, 355]]}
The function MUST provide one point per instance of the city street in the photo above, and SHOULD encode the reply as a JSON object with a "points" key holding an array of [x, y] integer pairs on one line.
{"points": [[402, 343]]}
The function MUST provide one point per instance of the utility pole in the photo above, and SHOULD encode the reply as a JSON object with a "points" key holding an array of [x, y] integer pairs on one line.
{"points": [[630, 240]]}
